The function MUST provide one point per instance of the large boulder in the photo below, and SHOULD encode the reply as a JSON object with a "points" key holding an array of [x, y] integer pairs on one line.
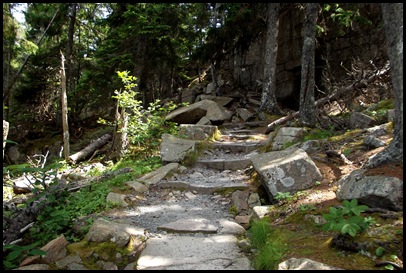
{"points": [[174, 149], [374, 191], [290, 171], [191, 114], [104, 230]]}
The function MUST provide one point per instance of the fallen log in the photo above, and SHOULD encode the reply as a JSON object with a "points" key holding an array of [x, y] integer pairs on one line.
{"points": [[356, 85], [91, 148]]}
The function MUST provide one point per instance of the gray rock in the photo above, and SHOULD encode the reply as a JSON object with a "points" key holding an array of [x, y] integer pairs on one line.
{"points": [[360, 120], [374, 191], [189, 226], [175, 149], [137, 186], [259, 212], [286, 135], [171, 252], [154, 177], [191, 114], [116, 199], [290, 171], [198, 132], [373, 142], [304, 264], [103, 230]]}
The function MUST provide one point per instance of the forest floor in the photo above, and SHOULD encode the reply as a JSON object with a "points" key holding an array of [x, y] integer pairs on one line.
{"points": [[307, 241]]}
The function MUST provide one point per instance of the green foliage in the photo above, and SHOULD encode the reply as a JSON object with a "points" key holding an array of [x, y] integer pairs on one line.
{"points": [[144, 126], [307, 207], [283, 196], [344, 16], [318, 134], [15, 254], [62, 209], [347, 219], [269, 244], [379, 251], [259, 232]]}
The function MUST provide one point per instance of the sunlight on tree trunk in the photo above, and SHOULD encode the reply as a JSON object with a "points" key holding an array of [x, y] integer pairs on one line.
{"points": [[64, 106]]}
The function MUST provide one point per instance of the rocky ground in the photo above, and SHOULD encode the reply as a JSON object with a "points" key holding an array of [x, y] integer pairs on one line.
{"points": [[191, 218]]}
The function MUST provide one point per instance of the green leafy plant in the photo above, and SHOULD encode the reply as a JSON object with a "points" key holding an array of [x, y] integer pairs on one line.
{"points": [[379, 251], [283, 196], [16, 254], [145, 126], [347, 219], [307, 207]]}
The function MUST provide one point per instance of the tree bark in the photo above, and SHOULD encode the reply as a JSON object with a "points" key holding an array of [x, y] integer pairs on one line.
{"points": [[268, 97], [393, 23], [307, 111], [64, 106], [356, 85], [5, 134], [91, 148], [69, 49]]}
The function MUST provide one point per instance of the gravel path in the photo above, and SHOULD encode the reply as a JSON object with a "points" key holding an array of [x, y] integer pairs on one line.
{"points": [[187, 216]]}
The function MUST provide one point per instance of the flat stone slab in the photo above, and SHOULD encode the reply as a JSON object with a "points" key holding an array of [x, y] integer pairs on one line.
{"points": [[181, 252], [239, 147], [226, 164], [201, 188], [189, 226]]}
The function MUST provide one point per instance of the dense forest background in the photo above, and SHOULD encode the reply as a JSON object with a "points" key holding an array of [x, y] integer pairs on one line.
{"points": [[168, 48]]}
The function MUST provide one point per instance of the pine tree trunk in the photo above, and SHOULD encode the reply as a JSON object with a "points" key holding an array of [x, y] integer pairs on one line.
{"points": [[268, 97], [307, 108]]}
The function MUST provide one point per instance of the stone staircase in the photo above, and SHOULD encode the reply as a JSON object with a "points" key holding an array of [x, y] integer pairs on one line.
{"points": [[187, 215]]}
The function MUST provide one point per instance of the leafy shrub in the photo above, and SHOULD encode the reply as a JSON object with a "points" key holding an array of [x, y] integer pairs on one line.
{"points": [[144, 126], [347, 219], [16, 254]]}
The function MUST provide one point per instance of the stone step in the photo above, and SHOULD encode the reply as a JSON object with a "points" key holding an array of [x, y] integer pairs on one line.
{"points": [[225, 164], [233, 147], [201, 188], [174, 252], [189, 226]]}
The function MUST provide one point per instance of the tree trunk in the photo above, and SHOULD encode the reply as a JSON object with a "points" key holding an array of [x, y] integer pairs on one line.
{"points": [[91, 148], [307, 110], [69, 50], [393, 23], [120, 138], [268, 97], [64, 106], [5, 134]]}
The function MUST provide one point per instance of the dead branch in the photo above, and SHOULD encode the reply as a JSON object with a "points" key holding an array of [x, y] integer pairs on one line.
{"points": [[90, 149]]}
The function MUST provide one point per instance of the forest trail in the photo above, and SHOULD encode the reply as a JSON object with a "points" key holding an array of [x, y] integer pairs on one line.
{"points": [[187, 217]]}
